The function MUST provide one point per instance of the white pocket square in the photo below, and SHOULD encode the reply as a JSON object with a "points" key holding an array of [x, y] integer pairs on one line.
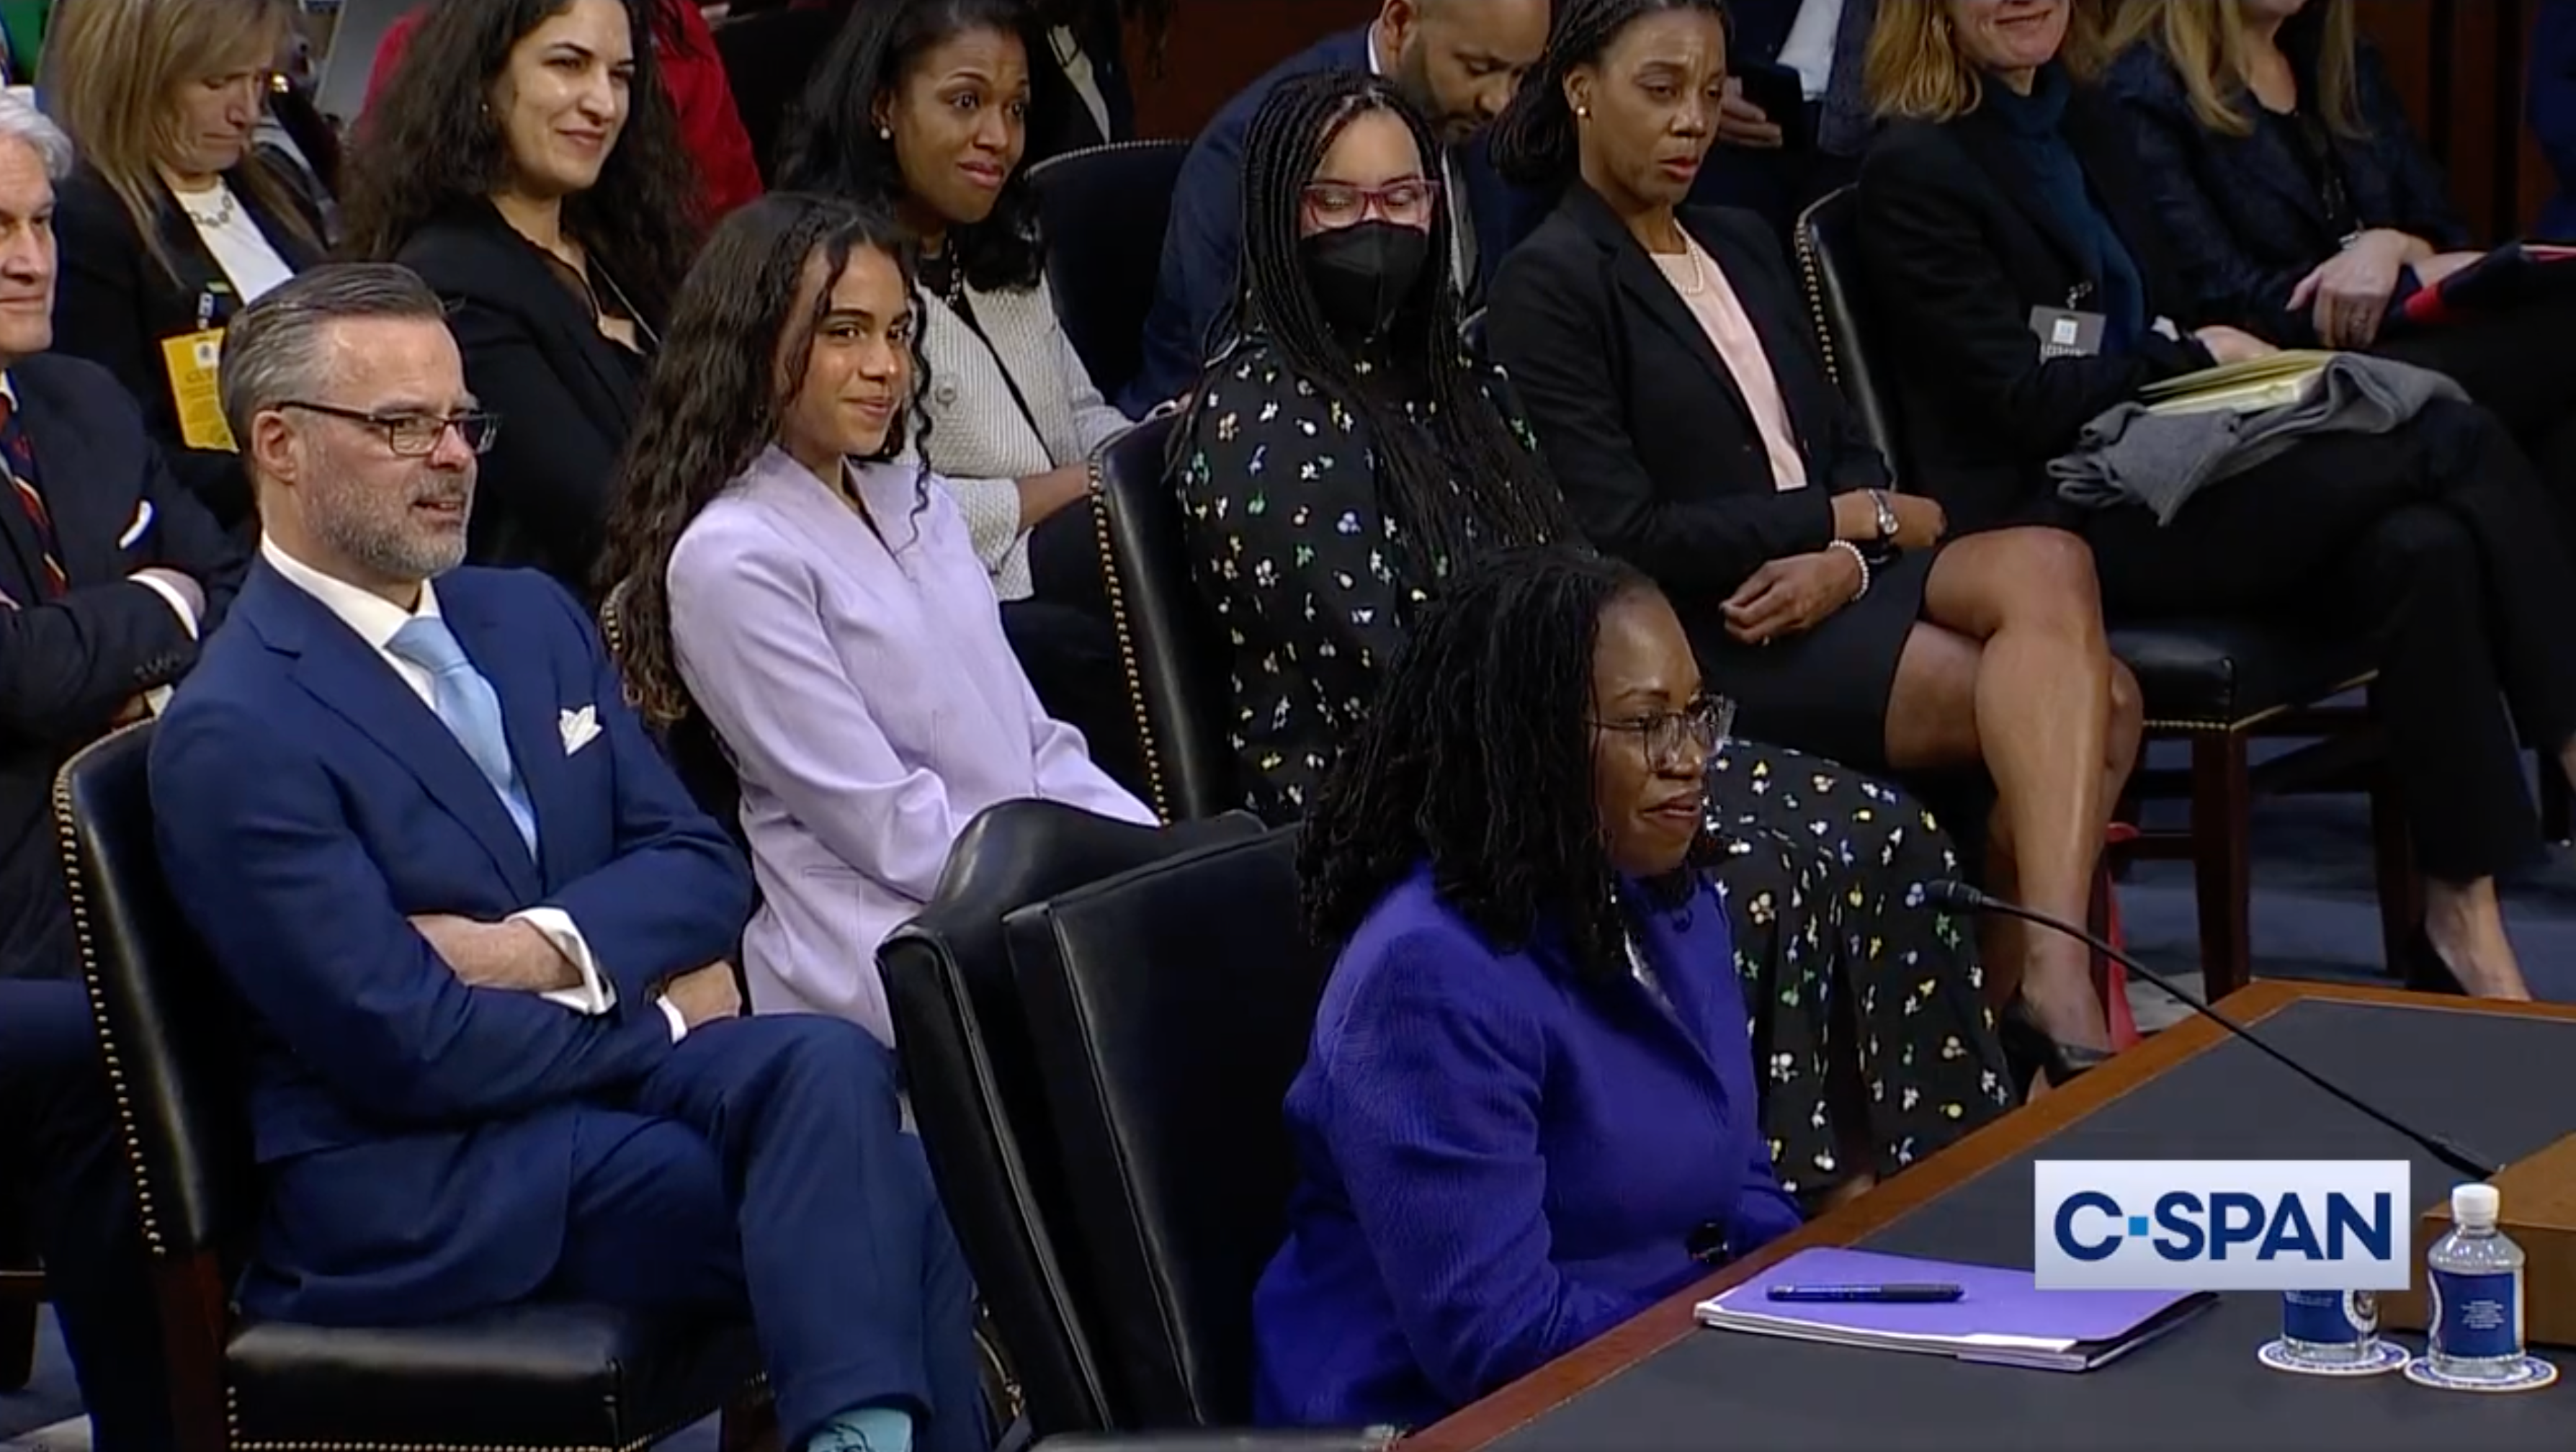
{"points": [[134, 531], [579, 727]]}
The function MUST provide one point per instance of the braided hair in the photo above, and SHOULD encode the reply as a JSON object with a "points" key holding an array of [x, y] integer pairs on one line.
{"points": [[1507, 494], [1478, 759], [1533, 140]]}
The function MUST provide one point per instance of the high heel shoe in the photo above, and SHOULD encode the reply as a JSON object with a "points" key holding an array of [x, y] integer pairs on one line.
{"points": [[2425, 970], [2031, 1053]]}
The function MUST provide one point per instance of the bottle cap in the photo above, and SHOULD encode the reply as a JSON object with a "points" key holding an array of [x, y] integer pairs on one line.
{"points": [[2475, 1205]]}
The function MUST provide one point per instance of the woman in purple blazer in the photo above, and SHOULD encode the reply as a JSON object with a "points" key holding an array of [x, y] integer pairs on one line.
{"points": [[1528, 1111], [819, 605]]}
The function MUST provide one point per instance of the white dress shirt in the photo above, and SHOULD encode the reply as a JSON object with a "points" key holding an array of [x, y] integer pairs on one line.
{"points": [[375, 620], [1809, 50]]}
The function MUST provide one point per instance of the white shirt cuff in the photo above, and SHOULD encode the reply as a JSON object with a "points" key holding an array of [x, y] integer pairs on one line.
{"points": [[679, 1025], [177, 601], [596, 995]]}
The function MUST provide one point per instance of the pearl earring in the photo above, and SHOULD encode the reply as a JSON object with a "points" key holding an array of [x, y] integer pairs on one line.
{"points": [[1582, 113], [885, 133]]}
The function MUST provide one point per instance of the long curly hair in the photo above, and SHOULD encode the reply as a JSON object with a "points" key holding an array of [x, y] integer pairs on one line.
{"points": [[832, 143], [1477, 758], [1508, 495], [430, 144], [715, 401], [1533, 140]]}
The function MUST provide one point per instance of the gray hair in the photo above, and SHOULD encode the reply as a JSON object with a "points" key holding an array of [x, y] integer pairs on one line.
{"points": [[273, 350], [23, 123]]}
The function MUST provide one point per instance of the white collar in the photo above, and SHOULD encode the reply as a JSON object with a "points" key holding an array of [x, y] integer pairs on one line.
{"points": [[372, 616]]}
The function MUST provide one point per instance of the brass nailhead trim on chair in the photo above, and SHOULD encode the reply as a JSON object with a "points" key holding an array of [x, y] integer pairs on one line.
{"points": [[1126, 631], [67, 839]]}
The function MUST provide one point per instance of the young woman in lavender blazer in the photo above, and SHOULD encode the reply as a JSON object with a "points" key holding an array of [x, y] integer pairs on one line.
{"points": [[819, 605]]}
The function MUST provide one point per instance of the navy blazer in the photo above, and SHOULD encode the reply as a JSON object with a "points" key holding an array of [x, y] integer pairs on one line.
{"points": [[68, 666], [115, 305], [2552, 111], [417, 1134], [2242, 213], [1203, 242], [1498, 1160]]}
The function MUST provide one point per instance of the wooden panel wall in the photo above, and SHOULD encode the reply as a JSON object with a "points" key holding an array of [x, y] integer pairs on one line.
{"points": [[2458, 64]]}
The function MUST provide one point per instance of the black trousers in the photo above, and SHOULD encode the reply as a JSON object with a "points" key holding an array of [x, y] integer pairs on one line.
{"points": [[58, 1137], [1068, 645], [2513, 361], [2440, 543]]}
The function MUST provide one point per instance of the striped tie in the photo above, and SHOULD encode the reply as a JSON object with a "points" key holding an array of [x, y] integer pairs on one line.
{"points": [[18, 456]]}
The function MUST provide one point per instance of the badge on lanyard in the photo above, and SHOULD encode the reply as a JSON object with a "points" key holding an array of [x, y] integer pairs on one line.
{"points": [[194, 361], [2065, 333]]}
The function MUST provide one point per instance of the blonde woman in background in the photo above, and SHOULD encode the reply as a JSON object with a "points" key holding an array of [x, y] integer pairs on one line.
{"points": [[174, 221], [2302, 201]]}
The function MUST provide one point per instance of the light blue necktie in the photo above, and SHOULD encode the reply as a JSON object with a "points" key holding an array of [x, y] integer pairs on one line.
{"points": [[464, 700]]}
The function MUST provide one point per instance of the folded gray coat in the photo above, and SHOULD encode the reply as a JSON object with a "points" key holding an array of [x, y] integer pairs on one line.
{"points": [[2129, 455]]}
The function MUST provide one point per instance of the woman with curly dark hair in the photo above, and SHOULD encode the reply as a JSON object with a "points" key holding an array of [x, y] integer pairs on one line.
{"points": [[922, 107], [778, 570], [1526, 1111], [525, 161], [1349, 455]]}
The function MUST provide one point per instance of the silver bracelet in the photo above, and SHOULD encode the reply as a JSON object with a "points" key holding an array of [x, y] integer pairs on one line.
{"points": [[1862, 560]]}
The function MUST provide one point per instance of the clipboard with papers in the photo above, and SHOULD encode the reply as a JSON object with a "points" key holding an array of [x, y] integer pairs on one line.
{"points": [[2000, 1318]]}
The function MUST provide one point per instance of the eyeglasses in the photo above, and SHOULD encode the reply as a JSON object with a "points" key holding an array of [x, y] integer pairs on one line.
{"points": [[415, 435], [1687, 737], [1340, 204]]}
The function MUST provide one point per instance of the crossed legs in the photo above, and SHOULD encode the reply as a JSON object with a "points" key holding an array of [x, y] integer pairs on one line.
{"points": [[2009, 669], [764, 1164]]}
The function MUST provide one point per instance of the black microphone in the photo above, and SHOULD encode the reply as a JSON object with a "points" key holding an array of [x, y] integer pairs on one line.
{"points": [[1960, 895]]}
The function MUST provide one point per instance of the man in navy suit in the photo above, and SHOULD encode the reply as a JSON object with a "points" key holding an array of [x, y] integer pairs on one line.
{"points": [[478, 926], [107, 571], [1456, 61]]}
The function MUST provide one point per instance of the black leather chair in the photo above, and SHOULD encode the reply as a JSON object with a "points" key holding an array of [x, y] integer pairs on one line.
{"points": [[2216, 684], [1218, 1440], [1170, 1007], [767, 55], [1169, 643], [1103, 210], [977, 1098], [557, 1376]]}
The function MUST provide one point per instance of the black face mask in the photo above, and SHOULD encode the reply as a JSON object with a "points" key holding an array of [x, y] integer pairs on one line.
{"points": [[1363, 273]]}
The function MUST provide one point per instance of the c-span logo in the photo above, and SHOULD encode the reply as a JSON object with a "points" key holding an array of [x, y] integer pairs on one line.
{"points": [[2222, 1225]]}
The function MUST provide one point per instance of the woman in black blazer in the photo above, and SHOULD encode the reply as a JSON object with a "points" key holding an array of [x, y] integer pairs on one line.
{"points": [[164, 240], [1686, 411], [2301, 201], [525, 161], [2001, 194]]}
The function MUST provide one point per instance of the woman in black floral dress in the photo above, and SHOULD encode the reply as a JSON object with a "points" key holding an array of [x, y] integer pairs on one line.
{"points": [[1336, 461]]}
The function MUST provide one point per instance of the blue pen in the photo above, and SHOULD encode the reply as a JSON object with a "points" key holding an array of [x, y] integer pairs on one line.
{"points": [[1923, 1293]]}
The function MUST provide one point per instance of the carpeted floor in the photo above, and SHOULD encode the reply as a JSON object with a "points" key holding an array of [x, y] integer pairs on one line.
{"points": [[2314, 918]]}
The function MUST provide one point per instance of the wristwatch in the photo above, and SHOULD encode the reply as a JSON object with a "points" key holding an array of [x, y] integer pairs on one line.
{"points": [[1887, 522]]}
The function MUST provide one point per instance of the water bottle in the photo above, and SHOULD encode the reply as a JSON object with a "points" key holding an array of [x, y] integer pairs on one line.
{"points": [[2329, 1328], [2475, 1273]]}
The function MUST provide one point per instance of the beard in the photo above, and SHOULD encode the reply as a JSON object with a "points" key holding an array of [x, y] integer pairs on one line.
{"points": [[377, 530]]}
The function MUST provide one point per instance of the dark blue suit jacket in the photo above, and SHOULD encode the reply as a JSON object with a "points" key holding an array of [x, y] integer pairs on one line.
{"points": [[2553, 111], [1203, 242], [69, 665], [2244, 218], [417, 1134], [1498, 1160]]}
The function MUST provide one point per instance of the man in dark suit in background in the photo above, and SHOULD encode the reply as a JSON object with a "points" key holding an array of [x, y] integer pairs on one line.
{"points": [[1457, 61], [108, 570], [479, 926], [1810, 50]]}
